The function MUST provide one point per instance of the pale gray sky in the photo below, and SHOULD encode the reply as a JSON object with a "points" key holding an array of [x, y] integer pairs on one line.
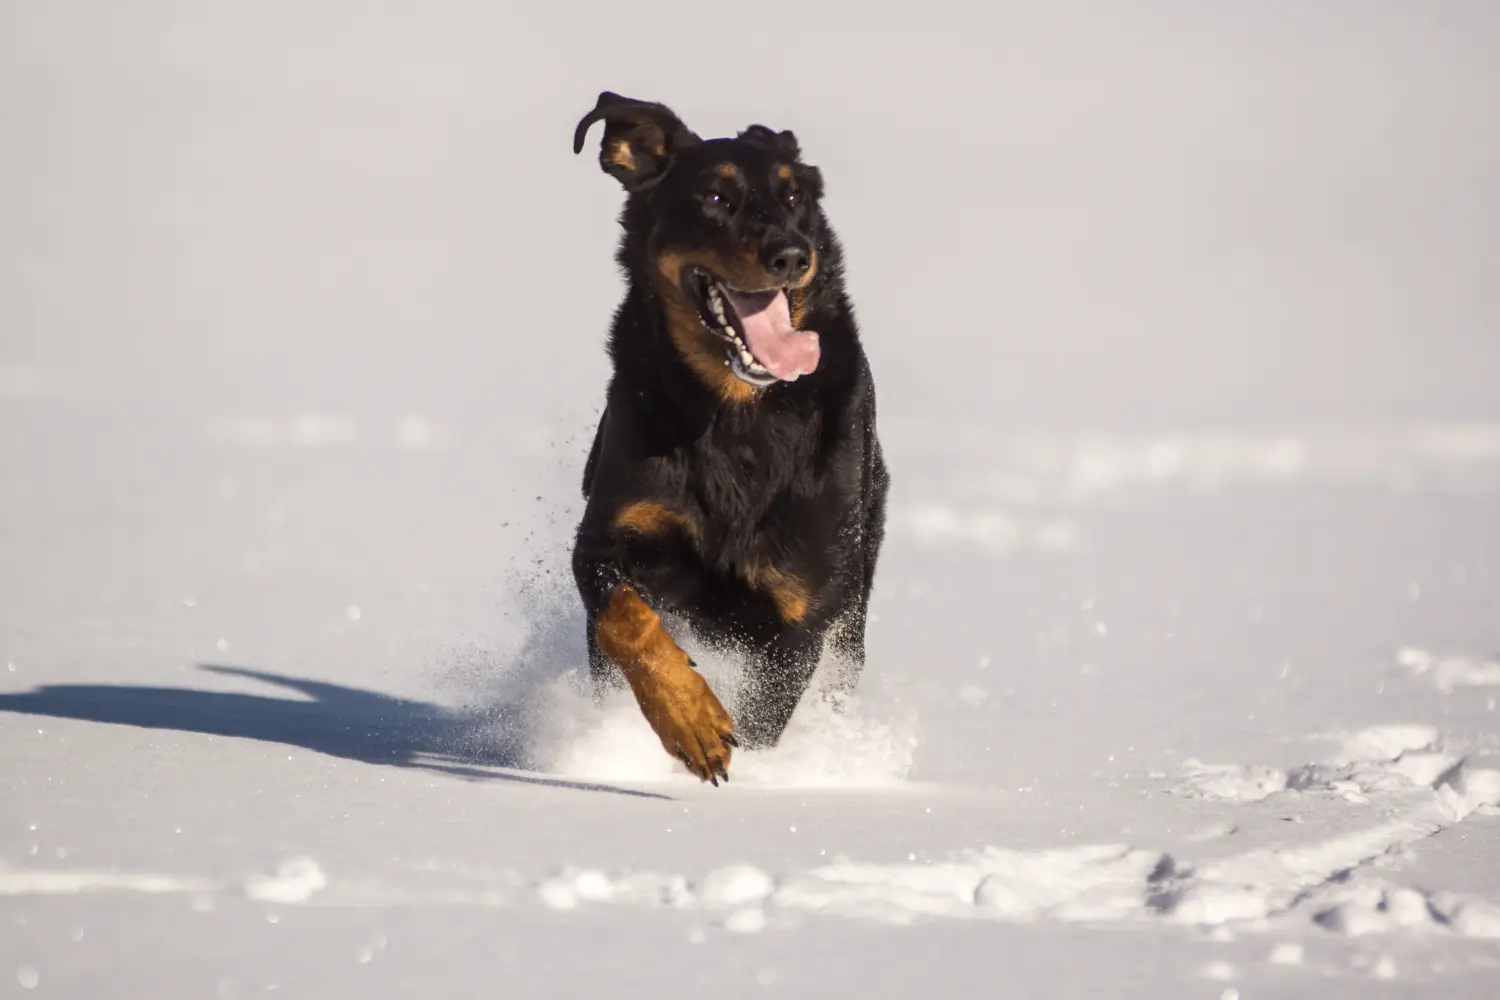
{"points": [[1054, 213]]}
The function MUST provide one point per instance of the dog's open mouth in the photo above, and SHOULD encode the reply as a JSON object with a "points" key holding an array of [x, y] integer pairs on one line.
{"points": [[761, 345]]}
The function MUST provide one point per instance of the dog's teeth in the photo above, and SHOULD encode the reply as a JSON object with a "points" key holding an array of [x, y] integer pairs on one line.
{"points": [[747, 358]]}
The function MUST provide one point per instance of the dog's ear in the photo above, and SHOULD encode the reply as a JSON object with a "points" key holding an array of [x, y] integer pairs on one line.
{"points": [[640, 139], [784, 143]]}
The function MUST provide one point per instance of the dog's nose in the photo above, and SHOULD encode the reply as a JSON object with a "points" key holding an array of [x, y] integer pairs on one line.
{"points": [[787, 263]]}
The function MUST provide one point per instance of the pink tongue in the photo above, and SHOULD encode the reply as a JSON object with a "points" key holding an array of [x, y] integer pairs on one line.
{"points": [[785, 351]]}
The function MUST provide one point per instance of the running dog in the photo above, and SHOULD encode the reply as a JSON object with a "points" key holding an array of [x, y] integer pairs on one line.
{"points": [[735, 480]]}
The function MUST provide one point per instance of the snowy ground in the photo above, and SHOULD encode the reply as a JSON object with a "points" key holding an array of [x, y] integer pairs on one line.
{"points": [[1185, 664]]}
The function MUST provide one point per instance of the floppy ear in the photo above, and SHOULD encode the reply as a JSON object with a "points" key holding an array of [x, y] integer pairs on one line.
{"points": [[640, 139], [784, 143]]}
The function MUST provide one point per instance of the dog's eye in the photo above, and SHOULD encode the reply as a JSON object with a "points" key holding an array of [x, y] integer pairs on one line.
{"points": [[793, 199], [718, 200]]}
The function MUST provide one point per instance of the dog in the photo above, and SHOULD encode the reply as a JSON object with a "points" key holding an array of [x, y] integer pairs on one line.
{"points": [[735, 481]]}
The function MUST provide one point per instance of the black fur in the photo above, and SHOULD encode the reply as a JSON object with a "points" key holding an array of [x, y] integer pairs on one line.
{"points": [[792, 478]]}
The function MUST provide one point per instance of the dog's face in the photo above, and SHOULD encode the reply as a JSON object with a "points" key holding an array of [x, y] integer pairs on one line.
{"points": [[727, 231]]}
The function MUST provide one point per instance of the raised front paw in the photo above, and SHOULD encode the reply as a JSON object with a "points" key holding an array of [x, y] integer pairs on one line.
{"points": [[675, 700], [689, 720]]}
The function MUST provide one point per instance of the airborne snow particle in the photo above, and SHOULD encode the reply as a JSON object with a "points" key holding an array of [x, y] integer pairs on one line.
{"points": [[353, 612], [28, 977], [222, 645]]}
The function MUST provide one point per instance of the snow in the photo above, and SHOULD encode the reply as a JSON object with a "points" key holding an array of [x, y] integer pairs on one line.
{"points": [[1449, 672], [1183, 660], [296, 881]]}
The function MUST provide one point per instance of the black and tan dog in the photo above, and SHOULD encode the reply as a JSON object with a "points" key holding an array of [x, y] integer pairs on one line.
{"points": [[735, 479]]}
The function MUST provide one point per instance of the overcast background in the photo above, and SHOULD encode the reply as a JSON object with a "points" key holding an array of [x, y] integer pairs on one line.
{"points": [[1183, 212]]}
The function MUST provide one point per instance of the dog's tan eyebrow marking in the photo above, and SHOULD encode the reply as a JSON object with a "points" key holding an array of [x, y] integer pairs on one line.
{"points": [[728, 171], [784, 172]]}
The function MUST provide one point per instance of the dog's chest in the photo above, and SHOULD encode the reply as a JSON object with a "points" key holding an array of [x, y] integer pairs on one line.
{"points": [[756, 490]]}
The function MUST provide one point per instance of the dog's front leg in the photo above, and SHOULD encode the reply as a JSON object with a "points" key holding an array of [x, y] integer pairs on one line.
{"points": [[675, 699]]}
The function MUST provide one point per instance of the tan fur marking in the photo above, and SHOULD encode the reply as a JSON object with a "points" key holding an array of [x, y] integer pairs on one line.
{"points": [[674, 698], [703, 352], [646, 517], [741, 271], [812, 269], [620, 155], [789, 593], [728, 171], [797, 297], [784, 172]]}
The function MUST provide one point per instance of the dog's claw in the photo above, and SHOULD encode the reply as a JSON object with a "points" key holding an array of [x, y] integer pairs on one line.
{"points": [[729, 738], [714, 780]]}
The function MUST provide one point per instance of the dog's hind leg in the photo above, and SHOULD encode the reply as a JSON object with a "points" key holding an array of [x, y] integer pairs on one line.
{"points": [[847, 638], [776, 685], [848, 635]]}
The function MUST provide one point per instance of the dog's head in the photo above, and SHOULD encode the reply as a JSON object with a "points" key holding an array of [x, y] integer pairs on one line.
{"points": [[727, 231]]}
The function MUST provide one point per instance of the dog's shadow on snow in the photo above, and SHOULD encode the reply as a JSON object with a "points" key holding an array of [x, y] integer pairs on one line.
{"points": [[333, 719]]}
